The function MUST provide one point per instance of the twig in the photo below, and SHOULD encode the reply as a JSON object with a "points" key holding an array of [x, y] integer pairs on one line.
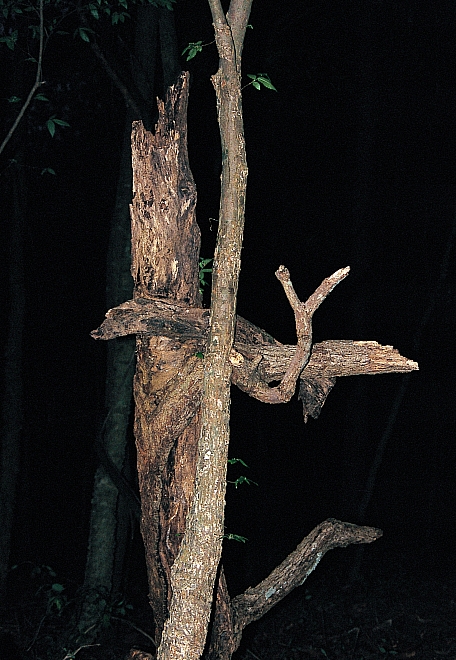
{"points": [[118, 618], [71, 654], [35, 636], [128, 98]]}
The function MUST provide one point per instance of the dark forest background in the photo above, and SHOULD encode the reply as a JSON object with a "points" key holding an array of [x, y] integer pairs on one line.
{"points": [[351, 162]]}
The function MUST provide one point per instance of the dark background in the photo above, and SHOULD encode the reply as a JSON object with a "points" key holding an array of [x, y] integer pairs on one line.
{"points": [[351, 162]]}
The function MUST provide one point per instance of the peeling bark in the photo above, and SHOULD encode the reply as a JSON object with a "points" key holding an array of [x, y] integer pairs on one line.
{"points": [[165, 248], [258, 359]]}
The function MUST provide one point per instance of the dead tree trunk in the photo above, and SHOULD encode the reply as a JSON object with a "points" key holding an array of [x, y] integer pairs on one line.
{"points": [[165, 249]]}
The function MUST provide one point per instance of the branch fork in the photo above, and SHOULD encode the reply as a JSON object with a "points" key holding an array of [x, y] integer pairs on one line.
{"points": [[303, 318]]}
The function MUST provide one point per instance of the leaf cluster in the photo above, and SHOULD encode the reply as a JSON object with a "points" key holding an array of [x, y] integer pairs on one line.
{"points": [[25, 15], [261, 79], [202, 264]]}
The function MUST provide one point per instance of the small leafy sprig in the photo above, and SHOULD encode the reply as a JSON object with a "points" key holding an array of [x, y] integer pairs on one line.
{"points": [[202, 273], [53, 122], [193, 48], [242, 479], [260, 79], [235, 537]]}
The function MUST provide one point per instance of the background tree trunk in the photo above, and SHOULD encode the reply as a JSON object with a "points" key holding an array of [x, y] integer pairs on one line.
{"points": [[112, 516]]}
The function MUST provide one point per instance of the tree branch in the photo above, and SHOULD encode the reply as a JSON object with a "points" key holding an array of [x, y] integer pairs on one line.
{"points": [[303, 317], [238, 18], [128, 98], [257, 358], [38, 82], [296, 568]]}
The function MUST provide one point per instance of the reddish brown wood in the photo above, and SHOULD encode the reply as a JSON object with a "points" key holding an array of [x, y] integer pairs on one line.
{"points": [[257, 358]]}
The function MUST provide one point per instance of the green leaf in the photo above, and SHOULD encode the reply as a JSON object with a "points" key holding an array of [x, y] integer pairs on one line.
{"points": [[51, 127], [167, 4], [47, 170], [119, 17], [266, 82], [40, 97], [10, 40], [193, 49], [61, 122], [261, 79], [235, 537], [242, 480], [35, 31], [52, 122], [199, 355], [13, 99], [83, 32], [58, 587], [94, 11], [232, 461]]}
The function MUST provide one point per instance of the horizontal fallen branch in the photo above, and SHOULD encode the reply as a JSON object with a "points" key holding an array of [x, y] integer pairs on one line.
{"points": [[257, 358]]}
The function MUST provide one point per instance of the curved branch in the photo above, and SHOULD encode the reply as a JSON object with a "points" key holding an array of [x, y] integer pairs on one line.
{"points": [[303, 316], [128, 98], [38, 82], [296, 568]]}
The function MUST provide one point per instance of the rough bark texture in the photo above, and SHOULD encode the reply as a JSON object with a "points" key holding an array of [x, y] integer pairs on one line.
{"points": [[257, 358], [291, 573], [193, 573], [165, 247]]}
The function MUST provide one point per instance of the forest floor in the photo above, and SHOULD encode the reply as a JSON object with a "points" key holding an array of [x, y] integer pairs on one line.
{"points": [[397, 610]]}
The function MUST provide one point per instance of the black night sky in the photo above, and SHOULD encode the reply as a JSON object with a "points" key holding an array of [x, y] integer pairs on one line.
{"points": [[351, 163]]}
